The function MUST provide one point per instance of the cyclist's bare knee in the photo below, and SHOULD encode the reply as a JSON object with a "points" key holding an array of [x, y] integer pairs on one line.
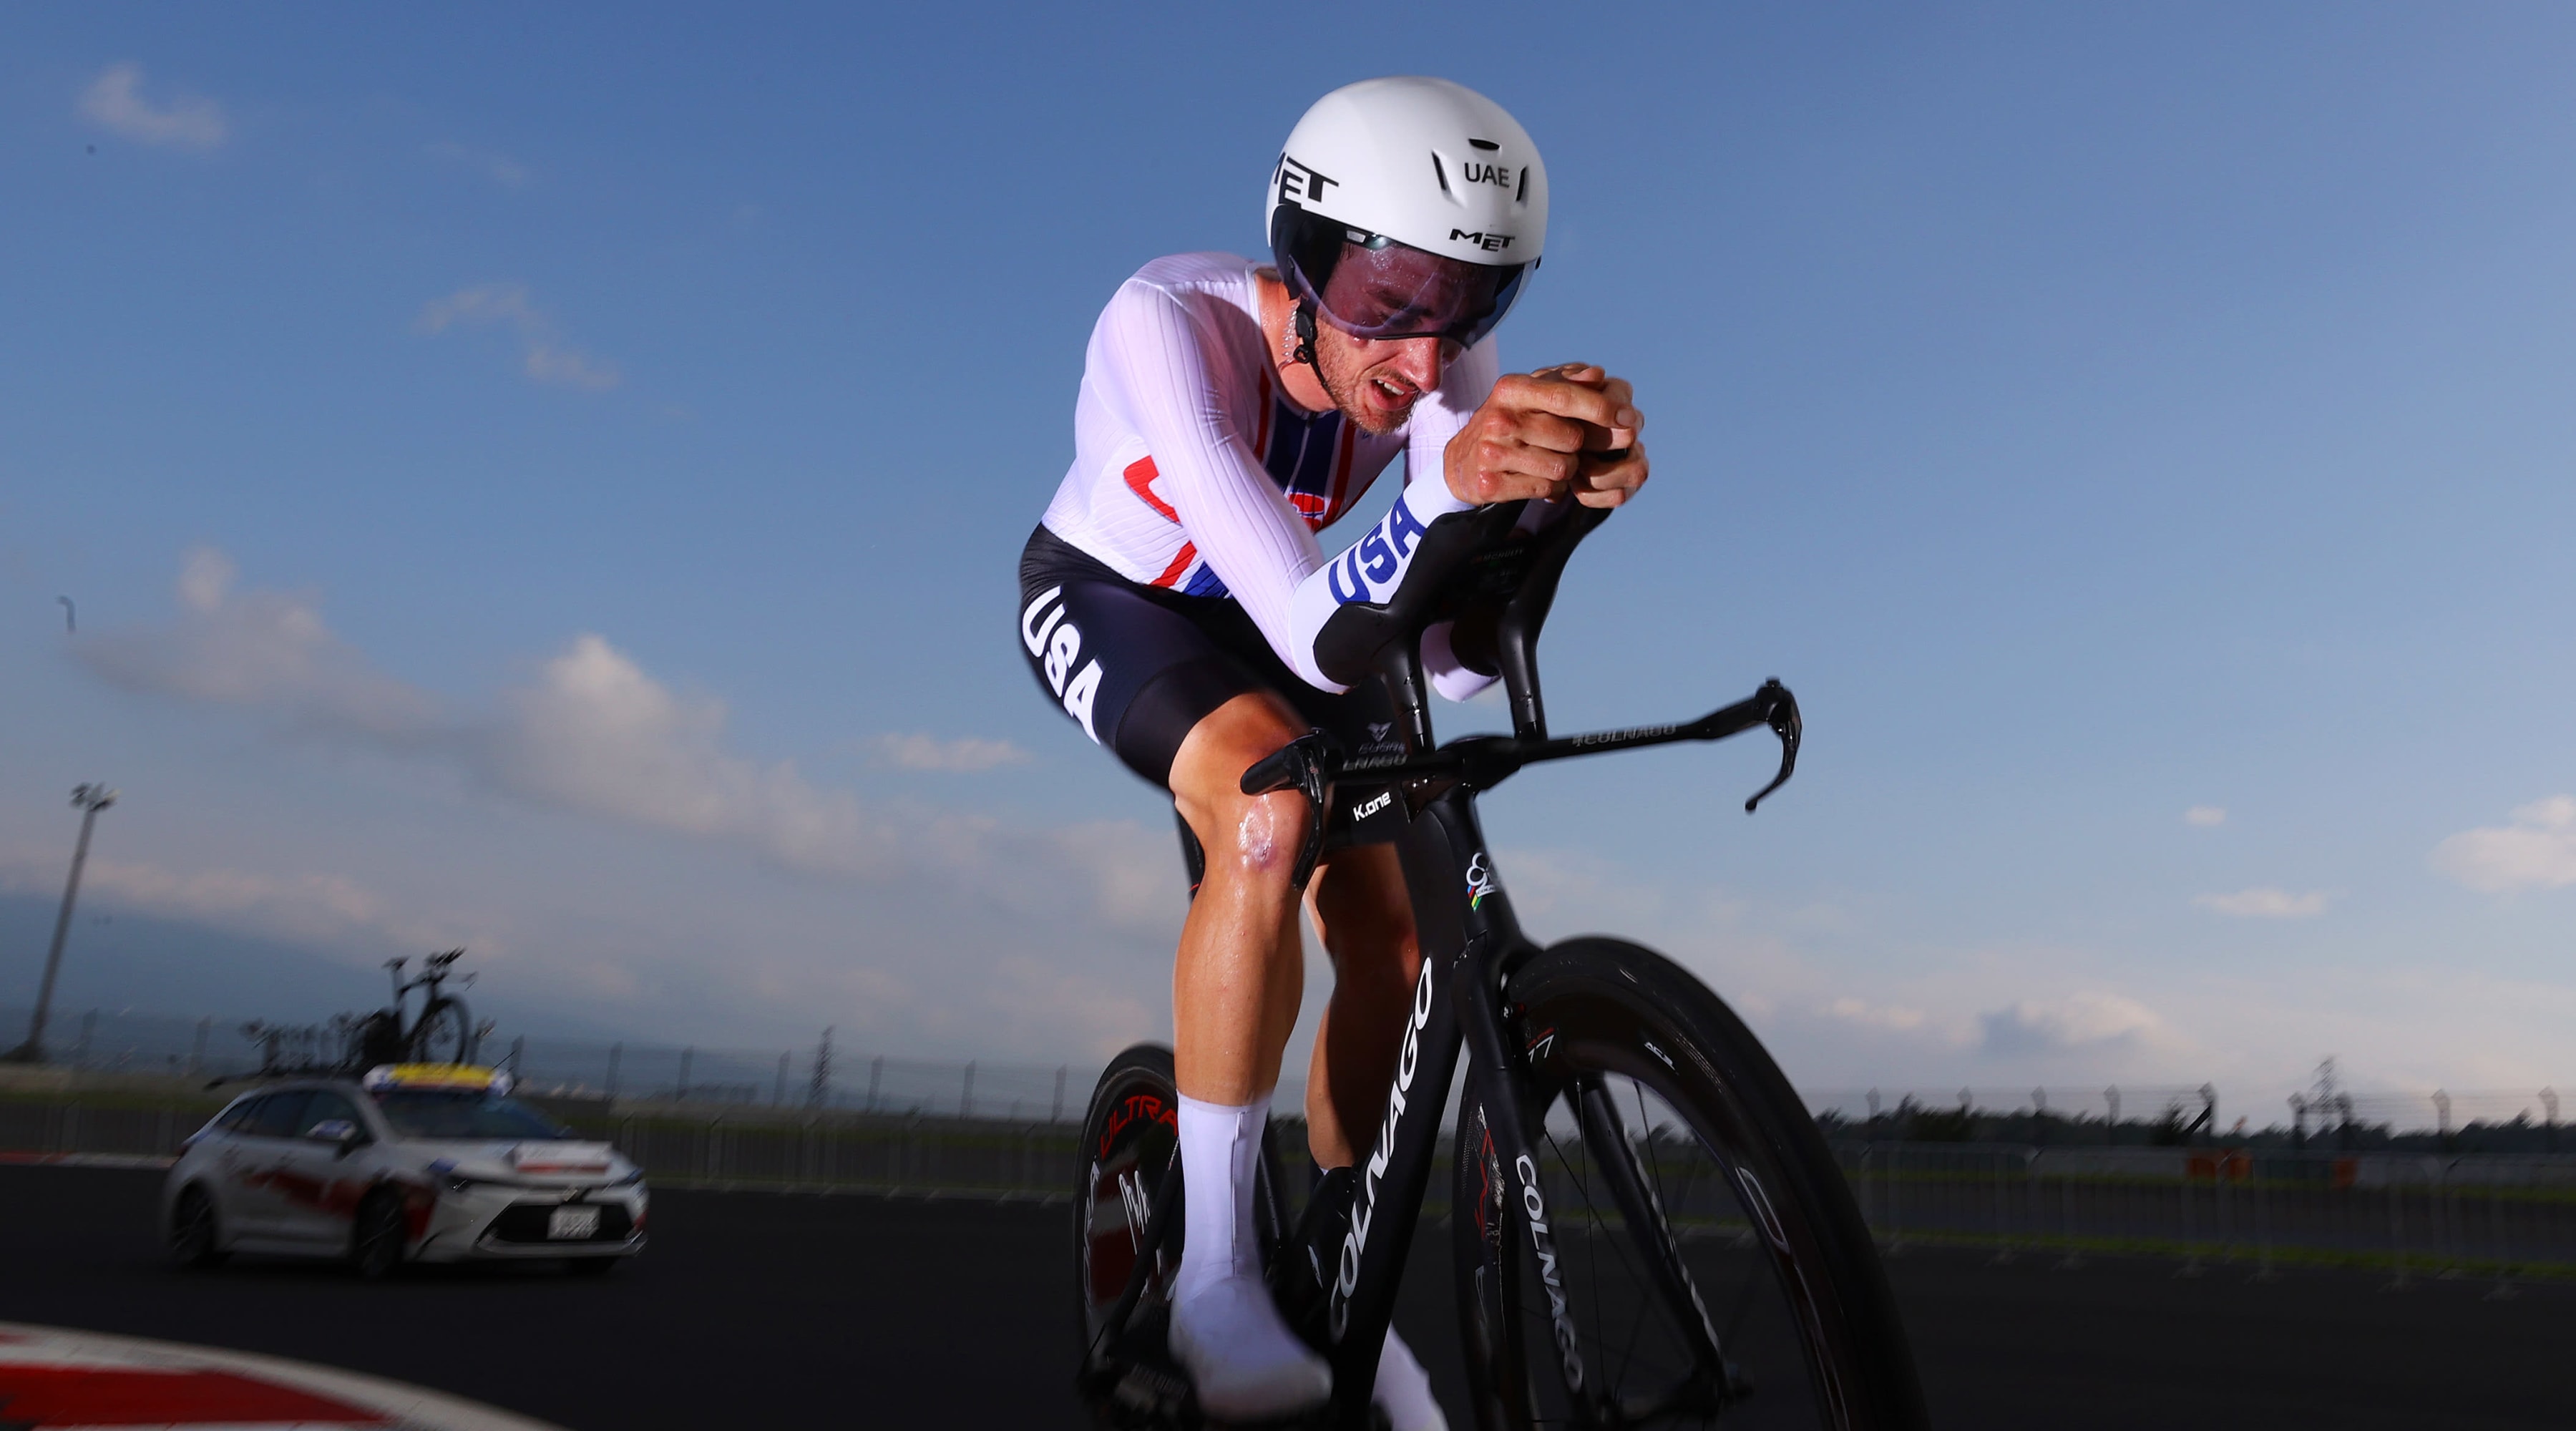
{"points": [[1266, 832], [1255, 836]]}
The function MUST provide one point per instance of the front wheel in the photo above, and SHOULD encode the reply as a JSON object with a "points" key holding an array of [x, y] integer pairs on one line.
{"points": [[377, 1235], [196, 1239], [1708, 1264]]}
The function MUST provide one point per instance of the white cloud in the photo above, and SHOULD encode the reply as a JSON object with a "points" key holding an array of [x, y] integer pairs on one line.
{"points": [[266, 648], [965, 755], [2266, 902], [596, 734], [1888, 1016], [320, 909], [544, 356], [501, 169], [2536, 851], [114, 102], [2205, 815], [2088, 1021]]}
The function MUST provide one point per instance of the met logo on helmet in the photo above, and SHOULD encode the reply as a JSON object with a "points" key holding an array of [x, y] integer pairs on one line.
{"points": [[1296, 182], [1490, 243]]}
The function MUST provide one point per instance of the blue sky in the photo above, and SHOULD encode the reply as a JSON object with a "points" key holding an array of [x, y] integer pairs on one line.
{"points": [[553, 480]]}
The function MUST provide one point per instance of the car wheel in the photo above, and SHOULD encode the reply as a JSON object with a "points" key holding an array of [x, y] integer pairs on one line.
{"points": [[591, 1266], [195, 1239], [376, 1239]]}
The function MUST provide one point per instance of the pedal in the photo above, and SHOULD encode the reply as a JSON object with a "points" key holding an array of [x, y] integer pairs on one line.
{"points": [[1153, 1396]]}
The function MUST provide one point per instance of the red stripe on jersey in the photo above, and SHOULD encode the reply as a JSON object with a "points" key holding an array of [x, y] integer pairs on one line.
{"points": [[1180, 563], [1140, 480]]}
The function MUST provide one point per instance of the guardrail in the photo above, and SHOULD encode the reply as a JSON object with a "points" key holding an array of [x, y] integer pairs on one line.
{"points": [[2499, 1217]]}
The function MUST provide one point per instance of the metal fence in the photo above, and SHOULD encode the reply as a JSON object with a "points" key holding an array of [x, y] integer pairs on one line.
{"points": [[99, 1042], [827, 1077], [2499, 1217], [2472, 1184]]}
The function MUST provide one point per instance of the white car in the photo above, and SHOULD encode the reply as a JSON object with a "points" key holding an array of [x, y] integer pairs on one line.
{"points": [[414, 1162]]}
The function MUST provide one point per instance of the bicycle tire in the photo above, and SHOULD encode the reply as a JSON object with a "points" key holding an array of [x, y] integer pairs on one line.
{"points": [[1130, 1134], [1798, 1281], [445, 1033]]}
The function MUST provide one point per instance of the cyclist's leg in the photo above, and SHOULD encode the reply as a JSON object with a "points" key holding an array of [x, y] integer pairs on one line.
{"points": [[1162, 681], [1241, 971], [1235, 988], [1364, 918]]}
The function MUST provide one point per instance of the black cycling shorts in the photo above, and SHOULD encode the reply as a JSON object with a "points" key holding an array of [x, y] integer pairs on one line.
{"points": [[1138, 666]]}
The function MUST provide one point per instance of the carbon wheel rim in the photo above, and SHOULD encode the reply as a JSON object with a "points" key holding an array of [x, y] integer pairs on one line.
{"points": [[1128, 1142]]}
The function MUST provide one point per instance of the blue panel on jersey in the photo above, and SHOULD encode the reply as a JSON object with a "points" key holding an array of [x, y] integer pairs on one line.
{"points": [[1300, 458], [1204, 582]]}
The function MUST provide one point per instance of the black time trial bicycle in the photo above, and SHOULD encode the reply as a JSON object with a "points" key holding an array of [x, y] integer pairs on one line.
{"points": [[1647, 1228], [445, 1032]]}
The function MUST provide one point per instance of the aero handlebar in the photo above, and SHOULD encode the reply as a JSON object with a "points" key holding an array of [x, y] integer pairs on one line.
{"points": [[1313, 764]]}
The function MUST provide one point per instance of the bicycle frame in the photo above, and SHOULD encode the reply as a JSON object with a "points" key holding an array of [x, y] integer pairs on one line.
{"points": [[1455, 1006]]}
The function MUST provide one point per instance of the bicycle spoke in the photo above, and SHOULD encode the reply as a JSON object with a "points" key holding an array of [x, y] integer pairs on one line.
{"points": [[1637, 1328], [1577, 1181], [1636, 1356]]}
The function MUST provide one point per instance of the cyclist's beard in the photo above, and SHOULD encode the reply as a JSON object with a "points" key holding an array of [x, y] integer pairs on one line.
{"points": [[1344, 376]]}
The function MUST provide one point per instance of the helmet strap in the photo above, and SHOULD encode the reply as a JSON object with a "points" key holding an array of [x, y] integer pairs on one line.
{"points": [[1305, 350]]}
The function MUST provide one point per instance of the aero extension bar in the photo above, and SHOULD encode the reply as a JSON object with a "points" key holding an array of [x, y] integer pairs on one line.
{"points": [[1484, 761]]}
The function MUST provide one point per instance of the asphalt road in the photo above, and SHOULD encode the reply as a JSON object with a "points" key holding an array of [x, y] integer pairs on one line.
{"points": [[757, 1309]]}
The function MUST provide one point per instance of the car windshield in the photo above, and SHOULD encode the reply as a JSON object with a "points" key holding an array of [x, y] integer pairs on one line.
{"points": [[465, 1115]]}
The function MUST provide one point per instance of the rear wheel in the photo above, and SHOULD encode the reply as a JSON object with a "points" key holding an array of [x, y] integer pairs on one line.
{"points": [[445, 1033], [1710, 1264], [1130, 1138], [196, 1240]]}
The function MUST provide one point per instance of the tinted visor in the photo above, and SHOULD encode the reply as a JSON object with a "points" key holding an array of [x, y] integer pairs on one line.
{"points": [[1370, 286]]}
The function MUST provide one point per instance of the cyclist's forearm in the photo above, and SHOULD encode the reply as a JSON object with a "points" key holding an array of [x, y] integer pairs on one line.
{"points": [[1370, 570]]}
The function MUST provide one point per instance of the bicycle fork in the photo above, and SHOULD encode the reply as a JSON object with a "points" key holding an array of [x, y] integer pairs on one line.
{"points": [[1495, 1077]]}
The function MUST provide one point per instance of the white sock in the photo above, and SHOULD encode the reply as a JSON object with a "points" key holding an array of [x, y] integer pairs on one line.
{"points": [[1226, 1332], [1403, 1389], [1220, 1155]]}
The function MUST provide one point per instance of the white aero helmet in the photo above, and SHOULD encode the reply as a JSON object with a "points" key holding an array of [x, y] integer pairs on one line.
{"points": [[1406, 207]]}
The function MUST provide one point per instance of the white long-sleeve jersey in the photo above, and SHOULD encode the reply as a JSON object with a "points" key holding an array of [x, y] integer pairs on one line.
{"points": [[1194, 471]]}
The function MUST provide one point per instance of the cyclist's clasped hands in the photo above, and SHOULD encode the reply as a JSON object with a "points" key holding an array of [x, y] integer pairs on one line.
{"points": [[1548, 434]]}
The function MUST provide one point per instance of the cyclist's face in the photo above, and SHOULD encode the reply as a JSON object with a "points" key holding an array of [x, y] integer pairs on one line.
{"points": [[1376, 382]]}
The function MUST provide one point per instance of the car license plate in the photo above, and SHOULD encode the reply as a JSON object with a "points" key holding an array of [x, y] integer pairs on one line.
{"points": [[570, 1222]]}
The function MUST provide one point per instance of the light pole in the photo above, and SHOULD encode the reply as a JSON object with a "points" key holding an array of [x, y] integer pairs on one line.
{"points": [[89, 800]]}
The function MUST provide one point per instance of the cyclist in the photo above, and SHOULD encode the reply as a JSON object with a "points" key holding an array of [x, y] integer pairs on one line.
{"points": [[1171, 600]]}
